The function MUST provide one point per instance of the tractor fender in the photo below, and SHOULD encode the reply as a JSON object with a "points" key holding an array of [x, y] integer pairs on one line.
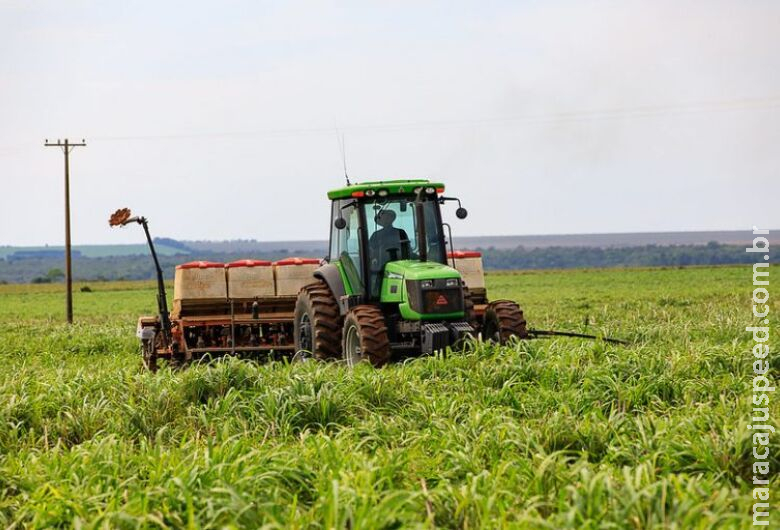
{"points": [[330, 274]]}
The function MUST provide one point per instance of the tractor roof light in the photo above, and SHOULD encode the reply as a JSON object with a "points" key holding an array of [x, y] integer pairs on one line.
{"points": [[370, 193], [430, 190], [382, 193], [358, 194]]}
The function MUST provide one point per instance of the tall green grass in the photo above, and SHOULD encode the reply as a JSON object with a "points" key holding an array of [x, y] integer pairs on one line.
{"points": [[542, 434]]}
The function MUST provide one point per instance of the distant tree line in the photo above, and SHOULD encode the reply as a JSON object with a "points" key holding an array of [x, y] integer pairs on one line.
{"points": [[642, 256], [45, 269], [138, 267], [172, 243], [48, 253]]}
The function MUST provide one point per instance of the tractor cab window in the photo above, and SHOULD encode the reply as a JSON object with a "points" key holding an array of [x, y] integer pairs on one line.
{"points": [[392, 234], [345, 243]]}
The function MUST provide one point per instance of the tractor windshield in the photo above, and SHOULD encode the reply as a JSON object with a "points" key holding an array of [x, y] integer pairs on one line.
{"points": [[392, 234]]}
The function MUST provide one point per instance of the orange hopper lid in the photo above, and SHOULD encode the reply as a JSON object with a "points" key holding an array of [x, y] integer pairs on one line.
{"points": [[298, 261], [201, 265], [248, 263], [459, 254]]}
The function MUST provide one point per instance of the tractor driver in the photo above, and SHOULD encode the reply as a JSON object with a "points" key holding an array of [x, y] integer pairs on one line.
{"points": [[388, 243]]}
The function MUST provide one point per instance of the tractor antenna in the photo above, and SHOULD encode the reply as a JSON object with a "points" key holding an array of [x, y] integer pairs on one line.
{"points": [[342, 146]]}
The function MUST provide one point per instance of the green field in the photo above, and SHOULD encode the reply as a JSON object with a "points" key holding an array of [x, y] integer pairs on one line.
{"points": [[542, 434]]}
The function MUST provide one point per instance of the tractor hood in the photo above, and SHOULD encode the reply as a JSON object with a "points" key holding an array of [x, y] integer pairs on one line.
{"points": [[419, 270], [423, 290]]}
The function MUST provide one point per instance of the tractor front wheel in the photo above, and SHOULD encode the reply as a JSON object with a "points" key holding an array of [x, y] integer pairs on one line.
{"points": [[365, 337], [317, 324], [503, 320]]}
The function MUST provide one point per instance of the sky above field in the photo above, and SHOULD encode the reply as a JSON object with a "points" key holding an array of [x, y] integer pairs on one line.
{"points": [[218, 120]]}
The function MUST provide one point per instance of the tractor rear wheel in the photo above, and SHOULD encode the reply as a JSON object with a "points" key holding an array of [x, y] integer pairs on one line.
{"points": [[365, 336], [317, 324], [504, 320]]}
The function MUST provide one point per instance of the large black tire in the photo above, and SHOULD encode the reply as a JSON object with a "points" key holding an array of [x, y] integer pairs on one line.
{"points": [[504, 320], [365, 336], [317, 324]]}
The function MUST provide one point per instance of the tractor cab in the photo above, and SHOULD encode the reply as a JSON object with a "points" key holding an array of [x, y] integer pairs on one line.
{"points": [[380, 223]]}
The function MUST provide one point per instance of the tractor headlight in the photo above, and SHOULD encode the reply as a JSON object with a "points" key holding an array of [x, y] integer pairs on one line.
{"points": [[426, 284], [370, 193], [383, 193], [453, 282], [430, 191]]}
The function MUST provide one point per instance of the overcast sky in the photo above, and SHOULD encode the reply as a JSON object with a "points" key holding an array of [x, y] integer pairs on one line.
{"points": [[217, 119]]}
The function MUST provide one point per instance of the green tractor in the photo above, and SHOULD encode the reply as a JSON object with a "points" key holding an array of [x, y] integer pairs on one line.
{"points": [[388, 289]]}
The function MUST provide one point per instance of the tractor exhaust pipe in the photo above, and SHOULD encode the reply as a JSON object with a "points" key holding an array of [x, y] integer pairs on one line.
{"points": [[422, 237]]}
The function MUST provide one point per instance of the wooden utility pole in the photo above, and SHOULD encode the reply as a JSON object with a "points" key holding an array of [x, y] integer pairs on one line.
{"points": [[67, 148]]}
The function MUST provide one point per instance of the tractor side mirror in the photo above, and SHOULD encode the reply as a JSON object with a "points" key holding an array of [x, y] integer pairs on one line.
{"points": [[340, 223], [461, 213]]}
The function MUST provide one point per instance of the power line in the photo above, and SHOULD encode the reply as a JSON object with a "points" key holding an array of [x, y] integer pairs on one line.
{"points": [[637, 112], [645, 111]]}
